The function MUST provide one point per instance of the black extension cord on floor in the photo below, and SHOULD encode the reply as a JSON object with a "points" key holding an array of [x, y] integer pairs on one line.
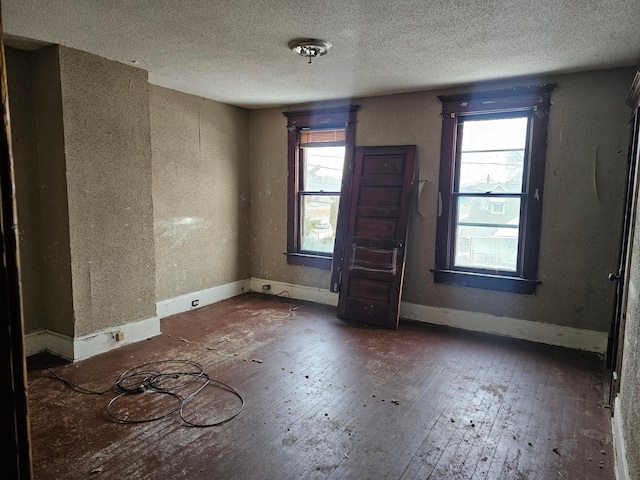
{"points": [[150, 377]]}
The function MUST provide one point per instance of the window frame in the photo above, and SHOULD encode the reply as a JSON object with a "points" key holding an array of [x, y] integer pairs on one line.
{"points": [[534, 101], [324, 118]]}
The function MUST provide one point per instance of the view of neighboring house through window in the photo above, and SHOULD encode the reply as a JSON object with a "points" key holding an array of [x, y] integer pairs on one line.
{"points": [[491, 185], [320, 144], [489, 192]]}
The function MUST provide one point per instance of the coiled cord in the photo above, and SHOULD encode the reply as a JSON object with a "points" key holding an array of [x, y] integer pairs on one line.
{"points": [[152, 377]]}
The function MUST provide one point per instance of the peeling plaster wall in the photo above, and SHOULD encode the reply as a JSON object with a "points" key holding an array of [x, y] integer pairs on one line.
{"points": [[108, 160], [584, 187], [27, 186], [200, 151]]}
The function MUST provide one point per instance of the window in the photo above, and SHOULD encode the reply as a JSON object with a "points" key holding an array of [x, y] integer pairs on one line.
{"points": [[320, 145], [491, 182]]}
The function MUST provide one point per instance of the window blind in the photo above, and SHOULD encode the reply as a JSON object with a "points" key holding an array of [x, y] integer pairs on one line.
{"points": [[324, 137]]}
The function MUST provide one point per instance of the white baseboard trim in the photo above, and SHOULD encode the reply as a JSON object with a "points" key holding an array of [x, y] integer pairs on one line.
{"points": [[48, 341], [204, 297], [86, 346], [300, 292], [547, 333], [99, 342], [619, 449]]}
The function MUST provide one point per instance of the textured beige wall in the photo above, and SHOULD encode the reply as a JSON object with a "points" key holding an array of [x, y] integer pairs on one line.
{"points": [[269, 203], [584, 186], [108, 161], [56, 254], [200, 151], [27, 186], [629, 377]]}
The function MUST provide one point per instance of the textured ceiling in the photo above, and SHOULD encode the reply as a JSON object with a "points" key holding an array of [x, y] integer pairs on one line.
{"points": [[236, 51]]}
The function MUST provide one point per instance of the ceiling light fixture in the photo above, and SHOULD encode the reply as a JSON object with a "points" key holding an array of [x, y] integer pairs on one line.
{"points": [[309, 47]]}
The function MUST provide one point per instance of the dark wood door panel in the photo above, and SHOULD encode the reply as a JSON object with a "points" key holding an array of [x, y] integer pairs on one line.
{"points": [[368, 311], [367, 289], [380, 196], [373, 259], [376, 227], [382, 212], [391, 180], [383, 165], [374, 256]]}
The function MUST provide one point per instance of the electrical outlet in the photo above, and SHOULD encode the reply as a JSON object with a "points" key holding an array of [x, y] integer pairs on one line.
{"points": [[195, 303], [119, 336], [266, 288]]}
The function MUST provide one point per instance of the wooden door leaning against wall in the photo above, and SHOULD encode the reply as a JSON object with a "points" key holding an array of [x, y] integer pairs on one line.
{"points": [[376, 236]]}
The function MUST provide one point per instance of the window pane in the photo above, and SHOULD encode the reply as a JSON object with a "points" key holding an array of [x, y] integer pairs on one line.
{"points": [[322, 168], [487, 247], [318, 219], [489, 210], [496, 172], [487, 233], [495, 134], [492, 155]]}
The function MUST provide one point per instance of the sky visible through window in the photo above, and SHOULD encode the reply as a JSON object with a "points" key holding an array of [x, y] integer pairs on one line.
{"points": [[492, 151], [323, 168]]}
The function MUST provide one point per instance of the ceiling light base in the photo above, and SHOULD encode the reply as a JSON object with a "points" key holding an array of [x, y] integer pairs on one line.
{"points": [[309, 47]]}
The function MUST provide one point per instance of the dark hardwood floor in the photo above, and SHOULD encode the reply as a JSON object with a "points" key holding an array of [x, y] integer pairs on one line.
{"points": [[327, 398]]}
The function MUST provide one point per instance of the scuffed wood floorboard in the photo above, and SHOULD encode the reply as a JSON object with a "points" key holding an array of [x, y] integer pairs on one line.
{"points": [[320, 395]]}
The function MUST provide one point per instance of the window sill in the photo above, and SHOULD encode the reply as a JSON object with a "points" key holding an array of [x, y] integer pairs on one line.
{"points": [[500, 283], [309, 260]]}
